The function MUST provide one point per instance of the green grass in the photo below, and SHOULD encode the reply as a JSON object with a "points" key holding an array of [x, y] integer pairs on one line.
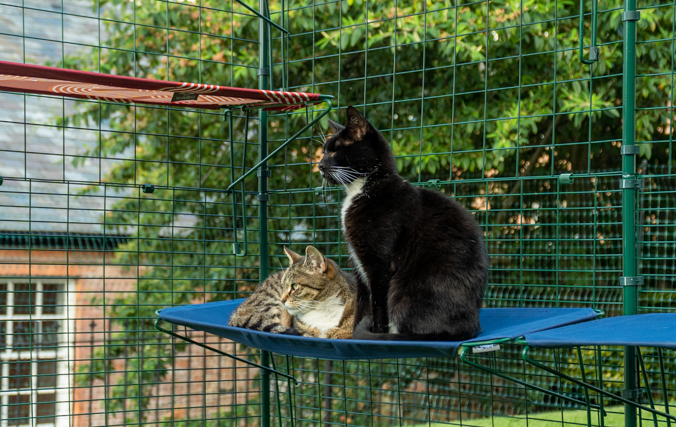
{"points": [[614, 417]]}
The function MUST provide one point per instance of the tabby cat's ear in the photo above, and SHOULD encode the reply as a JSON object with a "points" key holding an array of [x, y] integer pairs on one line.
{"points": [[335, 127], [357, 125], [293, 257], [315, 260]]}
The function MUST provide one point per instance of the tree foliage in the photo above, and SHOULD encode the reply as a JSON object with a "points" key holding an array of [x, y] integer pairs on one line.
{"points": [[488, 91]]}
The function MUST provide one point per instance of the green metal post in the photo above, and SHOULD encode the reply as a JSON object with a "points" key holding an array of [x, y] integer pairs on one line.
{"points": [[630, 184], [264, 72]]}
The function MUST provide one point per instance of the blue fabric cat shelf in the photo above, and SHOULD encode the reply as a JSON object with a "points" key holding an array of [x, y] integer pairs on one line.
{"points": [[531, 327], [499, 324]]}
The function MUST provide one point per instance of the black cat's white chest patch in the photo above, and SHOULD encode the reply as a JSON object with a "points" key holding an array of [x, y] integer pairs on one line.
{"points": [[353, 190]]}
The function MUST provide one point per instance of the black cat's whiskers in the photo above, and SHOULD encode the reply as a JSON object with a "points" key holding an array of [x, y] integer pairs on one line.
{"points": [[343, 174]]}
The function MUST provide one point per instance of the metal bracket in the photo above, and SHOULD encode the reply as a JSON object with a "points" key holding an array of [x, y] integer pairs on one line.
{"points": [[263, 71], [631, 183], [261, 172], [566, 178], [631, 281], [433, 183], [634, 394], [148, 188], [631, 15], [263, 197]]}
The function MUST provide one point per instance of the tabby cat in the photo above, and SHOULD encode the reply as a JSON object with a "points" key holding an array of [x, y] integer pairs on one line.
{"points": [[420, 256], [319, 296], [312, 297]]}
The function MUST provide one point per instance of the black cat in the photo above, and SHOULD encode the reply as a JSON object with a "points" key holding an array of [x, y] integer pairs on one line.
{"points": [[420, 256]]}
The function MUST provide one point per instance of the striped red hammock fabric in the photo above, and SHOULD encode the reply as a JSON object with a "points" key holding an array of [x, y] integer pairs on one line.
{"points": [[38, 79]]}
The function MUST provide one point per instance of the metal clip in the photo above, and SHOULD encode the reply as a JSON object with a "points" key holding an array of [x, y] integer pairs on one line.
{"points": [[566, 178], [594, 53], [1, 180], [263, 71], [631, 15], [631, 183], [433, 183], [633, 395], [263, 197], [631, 281], [630, 150], [261, 172], [148, 188]]}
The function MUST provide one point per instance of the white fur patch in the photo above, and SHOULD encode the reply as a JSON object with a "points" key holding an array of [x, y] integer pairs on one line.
{"points": [[393, 328], [353, 190], [357, 264], [325, 315]]}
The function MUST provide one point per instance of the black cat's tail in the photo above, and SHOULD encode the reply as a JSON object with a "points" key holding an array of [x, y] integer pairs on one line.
{"points": [[362, 332]]}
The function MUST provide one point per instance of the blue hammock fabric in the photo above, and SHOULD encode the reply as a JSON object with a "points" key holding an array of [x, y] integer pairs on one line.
{"points": [[640, 330], [497, 323]]}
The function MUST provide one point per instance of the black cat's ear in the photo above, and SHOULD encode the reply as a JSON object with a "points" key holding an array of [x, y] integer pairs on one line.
{"points": [[315, 260], [293, 257], [356, 125], [335, 127]]}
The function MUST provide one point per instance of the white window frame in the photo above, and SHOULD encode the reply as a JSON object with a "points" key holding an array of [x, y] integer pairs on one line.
{"points": [[63, 354]]}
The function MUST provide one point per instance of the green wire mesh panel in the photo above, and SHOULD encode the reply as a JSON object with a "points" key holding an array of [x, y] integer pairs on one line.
{"points": [[109, 212]]}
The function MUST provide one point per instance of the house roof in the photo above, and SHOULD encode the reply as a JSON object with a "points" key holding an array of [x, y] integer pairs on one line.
{"points": [[38, 193]]}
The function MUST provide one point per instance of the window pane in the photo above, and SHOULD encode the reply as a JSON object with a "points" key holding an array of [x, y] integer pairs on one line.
{"points": [[52, 299], [22, 336], [24, 299], [19, 410], [3, 298], [19, 374], [3, 335], [49, 337], [46, 373], [46, 408]]}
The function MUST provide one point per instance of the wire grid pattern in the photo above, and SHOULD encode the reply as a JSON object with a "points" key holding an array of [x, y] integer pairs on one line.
{"points": [[110, 212]]}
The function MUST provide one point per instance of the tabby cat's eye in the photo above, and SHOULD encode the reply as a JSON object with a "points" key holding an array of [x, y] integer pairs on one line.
{"points": [[294, 286]]}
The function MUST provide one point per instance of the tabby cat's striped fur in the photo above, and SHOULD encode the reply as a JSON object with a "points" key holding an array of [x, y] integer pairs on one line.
{"points": [[264, 310], [312, 297]]}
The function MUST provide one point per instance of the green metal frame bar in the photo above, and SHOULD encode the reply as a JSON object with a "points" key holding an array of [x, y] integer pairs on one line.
{"points": [[284, 144], [236, 246], [593, 51], [527, 358], [263, 17], [264, 78], [629, 229], [464, 357], [222, 353]]}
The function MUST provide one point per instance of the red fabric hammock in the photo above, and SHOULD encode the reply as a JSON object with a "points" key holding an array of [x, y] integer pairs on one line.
{"points": [[25, 78]]}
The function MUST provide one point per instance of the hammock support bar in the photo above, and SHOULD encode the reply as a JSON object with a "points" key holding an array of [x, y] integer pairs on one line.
{"points": [[464, 358], [222, 353], [526, 357], [284, 144]]}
